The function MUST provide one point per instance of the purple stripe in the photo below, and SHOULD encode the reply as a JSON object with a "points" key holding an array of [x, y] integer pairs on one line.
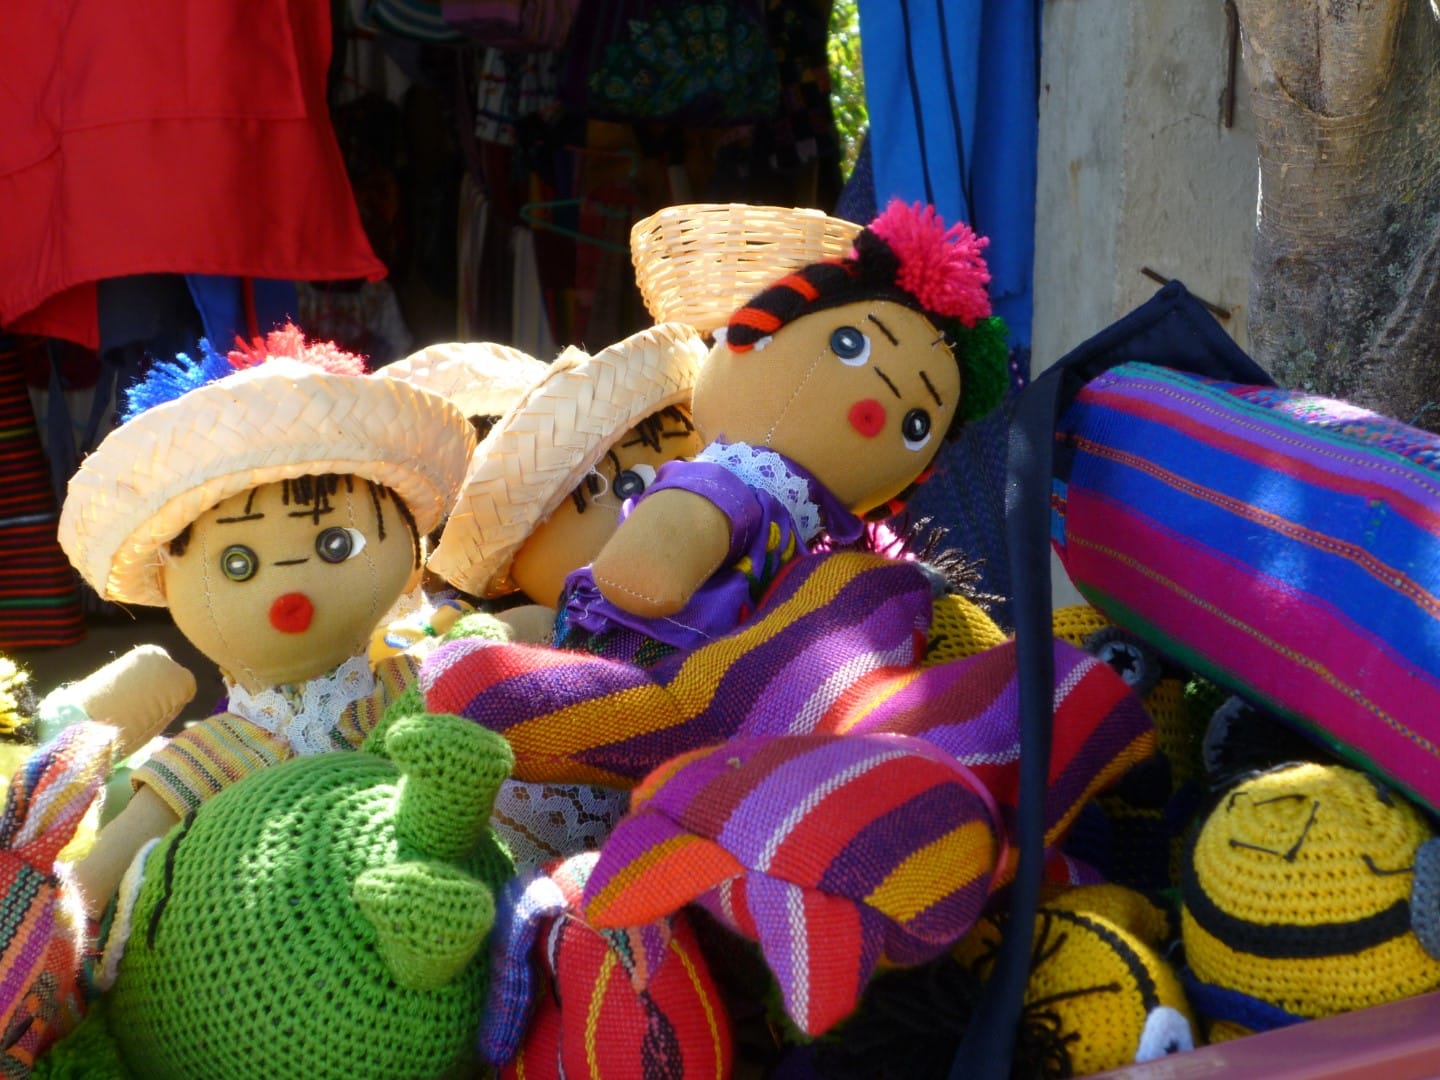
{"points": [[938, 926], [1265, 429], [874, 852], [638, 833]]}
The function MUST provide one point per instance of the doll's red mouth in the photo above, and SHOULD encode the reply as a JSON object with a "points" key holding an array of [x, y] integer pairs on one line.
{"points": [[291, 613], [867, 417]]}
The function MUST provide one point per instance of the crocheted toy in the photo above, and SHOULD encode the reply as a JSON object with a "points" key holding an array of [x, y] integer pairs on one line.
{"points": [[826, 399], [274, 500], [813, 785], [1098, 980], [324, 918], [592, 1003], [1310, 890]]}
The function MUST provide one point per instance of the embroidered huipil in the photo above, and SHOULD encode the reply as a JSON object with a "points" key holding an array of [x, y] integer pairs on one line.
{"points": [[776, 511]]}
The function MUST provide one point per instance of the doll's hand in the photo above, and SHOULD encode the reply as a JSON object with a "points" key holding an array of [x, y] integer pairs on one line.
{"points": [[138, 694], [668, 547]]}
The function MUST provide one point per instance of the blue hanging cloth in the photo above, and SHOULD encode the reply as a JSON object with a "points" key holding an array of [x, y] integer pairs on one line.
{"points": [[952, 89]]}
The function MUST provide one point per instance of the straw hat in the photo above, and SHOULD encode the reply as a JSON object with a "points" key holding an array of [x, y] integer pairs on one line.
{"points": [[158, 472], [558, 431], [697, 263], [480, 378]]}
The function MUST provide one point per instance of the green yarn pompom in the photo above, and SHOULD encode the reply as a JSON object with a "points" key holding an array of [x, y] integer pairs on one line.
{"points": [[984, 353]]}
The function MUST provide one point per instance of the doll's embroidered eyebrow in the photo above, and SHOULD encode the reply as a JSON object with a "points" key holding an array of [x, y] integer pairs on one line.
{"points": [[931, 387], [884, 330], [289, 562], [893, 388], [239, 518]]}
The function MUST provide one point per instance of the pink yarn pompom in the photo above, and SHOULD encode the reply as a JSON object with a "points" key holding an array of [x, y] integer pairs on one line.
{"points": [[941, 267], [288, 341]]}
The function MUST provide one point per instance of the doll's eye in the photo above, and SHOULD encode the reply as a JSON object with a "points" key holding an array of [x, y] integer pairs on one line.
{"points": [[336, 544], [238, 563], [915, 429], [850, 345], [634, 480]]}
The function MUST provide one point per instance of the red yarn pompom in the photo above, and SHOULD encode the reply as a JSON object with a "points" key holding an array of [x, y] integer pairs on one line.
{"points": [[289, 342], [941, 267]]}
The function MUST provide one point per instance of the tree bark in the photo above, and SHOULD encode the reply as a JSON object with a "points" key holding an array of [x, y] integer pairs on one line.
{"points": [[1345, 276]]}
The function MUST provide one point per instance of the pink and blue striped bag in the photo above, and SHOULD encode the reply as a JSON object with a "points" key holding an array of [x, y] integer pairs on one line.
{"points": [[1286, 545]]}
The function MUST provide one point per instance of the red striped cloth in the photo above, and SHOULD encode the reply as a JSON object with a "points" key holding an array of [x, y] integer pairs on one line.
{"points": [[39, 595]]}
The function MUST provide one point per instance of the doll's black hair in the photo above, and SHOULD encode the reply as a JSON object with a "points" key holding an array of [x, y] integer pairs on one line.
{"points": [[314, 492]]}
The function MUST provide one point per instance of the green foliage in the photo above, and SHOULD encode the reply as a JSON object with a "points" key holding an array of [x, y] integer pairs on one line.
{"points": [[847, 79]]}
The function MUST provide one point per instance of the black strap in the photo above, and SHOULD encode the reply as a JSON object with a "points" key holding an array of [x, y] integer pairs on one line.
{"points": [[1171, 328]]}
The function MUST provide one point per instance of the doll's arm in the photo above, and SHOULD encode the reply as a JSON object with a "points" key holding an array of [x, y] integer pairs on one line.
{"points": [[671, 543], [138, 694], [146, 817]]}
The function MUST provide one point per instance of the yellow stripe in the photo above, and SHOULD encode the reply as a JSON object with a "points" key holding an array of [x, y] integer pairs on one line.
{"points": [[879, 694], [592, 1017], [934, 871], [710, 1021], [637, 868]]}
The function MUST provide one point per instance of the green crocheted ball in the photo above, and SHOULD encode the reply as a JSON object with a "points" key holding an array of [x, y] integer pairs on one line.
{"points": [[323, 918]]}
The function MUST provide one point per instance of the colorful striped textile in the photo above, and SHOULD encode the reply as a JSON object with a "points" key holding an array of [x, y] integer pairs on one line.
{"points": [[827, 621], [636, 1002], [1285, 545], [879, 833], [39, 593], [41, 930]]}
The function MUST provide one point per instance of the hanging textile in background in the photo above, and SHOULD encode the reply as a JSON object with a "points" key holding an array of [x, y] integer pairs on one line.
{"points": [[952, 88], [118, 159], [39, 596], [517, 25], [530, 322], [361, 317], [415, 20], [697, 63]]}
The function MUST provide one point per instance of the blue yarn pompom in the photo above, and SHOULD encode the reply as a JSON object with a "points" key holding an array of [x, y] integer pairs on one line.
{"points": [[168, 379]]}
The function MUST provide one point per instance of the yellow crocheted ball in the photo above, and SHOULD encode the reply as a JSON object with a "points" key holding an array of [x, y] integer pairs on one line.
{"points": [[1297, 893], [1098, 981], [959, 627]]}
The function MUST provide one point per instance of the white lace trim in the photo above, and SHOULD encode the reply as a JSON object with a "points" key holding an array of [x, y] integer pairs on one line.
{"points": [[305, 714], [767, 471], [541, 822]]}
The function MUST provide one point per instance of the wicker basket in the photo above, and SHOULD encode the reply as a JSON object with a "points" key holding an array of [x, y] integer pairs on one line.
{"points": [[697, 263]]}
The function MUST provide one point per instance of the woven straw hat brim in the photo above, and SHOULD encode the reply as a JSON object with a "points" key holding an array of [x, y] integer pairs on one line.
{"points": [[537, 453], [697, 263], [480, 378], [158, 472]]}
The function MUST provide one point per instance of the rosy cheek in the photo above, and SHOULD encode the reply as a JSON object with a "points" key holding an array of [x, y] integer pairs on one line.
{"points": [[868, 417]]}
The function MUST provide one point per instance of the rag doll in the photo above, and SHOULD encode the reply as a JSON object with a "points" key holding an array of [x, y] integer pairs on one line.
{"points": [[545, 486], [825, 399], [274, 501]]}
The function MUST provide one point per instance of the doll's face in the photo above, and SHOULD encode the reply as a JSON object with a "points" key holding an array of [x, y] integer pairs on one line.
{"points": [[278, 590], [861, 395], [574, 534]]}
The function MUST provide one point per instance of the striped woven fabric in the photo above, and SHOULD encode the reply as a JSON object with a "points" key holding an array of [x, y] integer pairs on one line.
{"points": [[827, 622], [880, 833], [40, 932], [1285, 545], [638, 1002], [39, 595]]}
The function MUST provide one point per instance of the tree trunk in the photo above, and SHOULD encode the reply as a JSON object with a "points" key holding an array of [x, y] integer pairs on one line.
{"points": [[1345, 277]]}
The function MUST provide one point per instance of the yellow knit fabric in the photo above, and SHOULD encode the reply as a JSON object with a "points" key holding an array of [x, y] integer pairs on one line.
{"points": [[1296, 861], [959, 628], [1097, 975]]}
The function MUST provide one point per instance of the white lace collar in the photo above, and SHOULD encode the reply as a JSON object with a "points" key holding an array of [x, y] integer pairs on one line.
{"points": [[768, 471], [306, 713]]}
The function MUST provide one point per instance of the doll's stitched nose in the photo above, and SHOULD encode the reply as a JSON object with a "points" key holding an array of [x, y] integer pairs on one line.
{"points": [[291, 613], [868, 417]]}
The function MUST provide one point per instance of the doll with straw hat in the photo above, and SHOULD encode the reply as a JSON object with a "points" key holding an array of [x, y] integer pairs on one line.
{"points": [[825, 398], [274, 500]]}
